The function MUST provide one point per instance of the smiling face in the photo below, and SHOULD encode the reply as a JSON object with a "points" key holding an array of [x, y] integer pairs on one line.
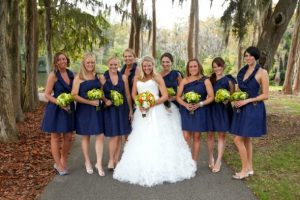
{"points": [[249, 59], [166, 63], [61, 62], [193, 68], [128, 58], [218, 69], [147, 67], [89, 64], [113, 65]]}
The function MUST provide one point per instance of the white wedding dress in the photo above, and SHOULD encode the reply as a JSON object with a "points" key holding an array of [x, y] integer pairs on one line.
{"points": [[156, 151]]}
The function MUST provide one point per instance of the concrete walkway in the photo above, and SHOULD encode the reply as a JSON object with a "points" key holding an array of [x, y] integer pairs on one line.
{"points": [[205, 185]]}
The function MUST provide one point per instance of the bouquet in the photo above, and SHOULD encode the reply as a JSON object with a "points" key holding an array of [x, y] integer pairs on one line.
{"points": [[222, 95], [95, 94], [237, 96], [145, 100], [116, 98], [171, 92], [192, 97], [64, 100]]}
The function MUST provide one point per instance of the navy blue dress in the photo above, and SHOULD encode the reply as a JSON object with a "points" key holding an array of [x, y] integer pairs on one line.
{"points": [[251, 120], [116, 118], [199, 120], [56, 119], [171, 82], [221, 114], [88, 120], [131, 75]]}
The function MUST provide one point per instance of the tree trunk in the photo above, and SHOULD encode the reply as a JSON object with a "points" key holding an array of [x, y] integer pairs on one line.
{"points": [[154, 28], [8, 131], [132, 26], [13, 56], [296, 85], [240, 55], [274, 30], [48, 34], [191, 31], [197, 24], [287, 85], [31, 40]]}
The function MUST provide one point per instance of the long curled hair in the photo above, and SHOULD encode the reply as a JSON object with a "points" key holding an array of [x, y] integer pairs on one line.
{"points": [[221, 63], [142, 74], [82, 72]]}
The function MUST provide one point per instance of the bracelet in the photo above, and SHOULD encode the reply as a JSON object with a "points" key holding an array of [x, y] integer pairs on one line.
{"points": [[201, 104]]}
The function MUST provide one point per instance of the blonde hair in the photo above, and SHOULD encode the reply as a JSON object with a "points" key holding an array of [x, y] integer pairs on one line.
{"points": [[142, 75], [82, 72], [113, 58], [129, 50]]}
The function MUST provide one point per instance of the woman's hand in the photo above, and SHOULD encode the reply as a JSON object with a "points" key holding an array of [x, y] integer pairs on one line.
{"points": [[108, 102], [172, 98], [197, 105], [241, 103], [94, 102], [130, 115], [189, 106]]}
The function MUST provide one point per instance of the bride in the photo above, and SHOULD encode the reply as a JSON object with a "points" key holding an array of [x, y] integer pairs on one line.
{"points": [[156, 151]]}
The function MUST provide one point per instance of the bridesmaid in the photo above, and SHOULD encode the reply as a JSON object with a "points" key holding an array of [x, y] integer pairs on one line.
{"points": [[130, 68], [58, 120], [171, 77], [251, 120], [220, 113], [194, 124], [88, 120], [116, 118]]}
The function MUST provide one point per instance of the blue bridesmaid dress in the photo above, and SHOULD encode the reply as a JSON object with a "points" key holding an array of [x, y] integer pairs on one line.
{"points": [[250, 121], [131, 74], [56, 119], [171, 82], [116, 118], [89, 120], [221, 114], [199, 120]]}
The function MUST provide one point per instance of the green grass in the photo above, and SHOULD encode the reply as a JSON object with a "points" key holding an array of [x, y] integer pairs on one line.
{"points": [[275, 88], [283, 104], [277, 168]]}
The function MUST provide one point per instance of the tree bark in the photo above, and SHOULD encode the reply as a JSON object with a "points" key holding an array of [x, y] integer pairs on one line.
{"points": [[154, 28], [190, 47], [48, 35], [296, 86], [8, 131], [131, 37], [287, 85], [197, 24], [13, 56], [240, 56], [31, 46], [274, 30]]}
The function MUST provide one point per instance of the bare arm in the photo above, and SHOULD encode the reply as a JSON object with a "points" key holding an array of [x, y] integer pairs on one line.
{"points": [[134, 89], [179, 96], [49, 88], [210, 95], [231, 87], [162, 89], [127, 92]]}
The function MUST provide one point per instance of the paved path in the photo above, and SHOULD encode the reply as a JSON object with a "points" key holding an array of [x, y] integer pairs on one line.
{"points": [[81, 186]]}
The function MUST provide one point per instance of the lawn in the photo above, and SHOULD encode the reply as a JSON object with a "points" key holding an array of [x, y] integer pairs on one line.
{"points": [[277, 155]]}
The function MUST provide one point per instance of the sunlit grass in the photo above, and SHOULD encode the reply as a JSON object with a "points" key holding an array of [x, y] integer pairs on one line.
{"points": [[277, 169]]}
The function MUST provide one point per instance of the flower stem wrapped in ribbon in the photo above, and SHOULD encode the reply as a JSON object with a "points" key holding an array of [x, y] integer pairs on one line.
{"points": [[192, 97], [64, 100], [95, 94], [237, 96], [222, 95], [116, 98], [145, 100]]}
